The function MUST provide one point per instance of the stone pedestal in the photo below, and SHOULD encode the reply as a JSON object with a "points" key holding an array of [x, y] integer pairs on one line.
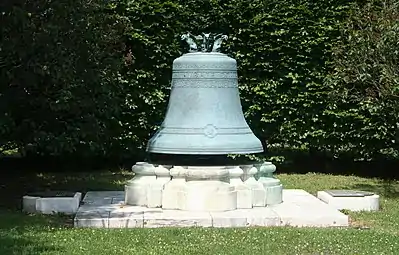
{"points": [[206, 191], [138, 189], [258, 192], [172, 195], [156, 188], [273, 187], [245, 169], [244, 192], [203, 189]]}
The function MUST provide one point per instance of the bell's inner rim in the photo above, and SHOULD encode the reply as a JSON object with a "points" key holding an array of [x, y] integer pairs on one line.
{"points": [[205, 53], [198, 160]]}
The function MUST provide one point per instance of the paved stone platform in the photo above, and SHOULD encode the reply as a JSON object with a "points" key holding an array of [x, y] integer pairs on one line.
{"points": [[106, 209]]}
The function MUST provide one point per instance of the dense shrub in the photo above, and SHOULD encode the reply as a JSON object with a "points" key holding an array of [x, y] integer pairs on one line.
{"points": [[366, 81], [94, 79], [59, 65]]}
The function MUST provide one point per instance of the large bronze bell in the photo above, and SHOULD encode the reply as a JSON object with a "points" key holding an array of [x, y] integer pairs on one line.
{"points": [[204, 114]]}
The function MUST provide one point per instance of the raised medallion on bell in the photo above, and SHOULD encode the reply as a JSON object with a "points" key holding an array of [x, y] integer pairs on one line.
{"points": [[204, 115]]}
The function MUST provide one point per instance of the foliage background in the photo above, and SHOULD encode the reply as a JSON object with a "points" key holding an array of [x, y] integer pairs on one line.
{"points": [[87, 79]]}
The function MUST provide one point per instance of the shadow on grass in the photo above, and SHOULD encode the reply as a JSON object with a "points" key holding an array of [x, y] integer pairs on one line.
{"points": [[383, 169], [20, 233], [24, 245], [384, 188], [15, 185], [22, 176]]}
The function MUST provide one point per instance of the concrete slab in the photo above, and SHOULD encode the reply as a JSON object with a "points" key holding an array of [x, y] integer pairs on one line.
{"points": [[93, 219], [235, 218], [369, 202], [126, 219], [299, 208], [52, 204], [176, 218]]}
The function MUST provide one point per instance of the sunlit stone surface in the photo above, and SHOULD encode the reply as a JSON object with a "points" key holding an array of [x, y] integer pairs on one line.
{"points": [[106, 209]]}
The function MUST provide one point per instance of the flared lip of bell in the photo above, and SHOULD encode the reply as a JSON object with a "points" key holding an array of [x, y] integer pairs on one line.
{"points": [[204, 151], [161, 144]]}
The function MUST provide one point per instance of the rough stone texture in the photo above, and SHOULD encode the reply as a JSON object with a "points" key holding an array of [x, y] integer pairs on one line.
{"points": [[356, 203], [107, 210]]}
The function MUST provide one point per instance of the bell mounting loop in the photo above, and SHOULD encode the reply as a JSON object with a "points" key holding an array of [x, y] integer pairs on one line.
{"points": [[207, 42]]}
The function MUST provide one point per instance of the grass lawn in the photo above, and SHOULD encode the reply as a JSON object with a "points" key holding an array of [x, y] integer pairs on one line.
{"points": [[370, 233]]}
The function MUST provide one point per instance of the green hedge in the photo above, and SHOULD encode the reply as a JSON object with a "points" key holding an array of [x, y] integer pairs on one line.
{"points": [[59, 64], [365, 110], [282, 49], [287, 54]]}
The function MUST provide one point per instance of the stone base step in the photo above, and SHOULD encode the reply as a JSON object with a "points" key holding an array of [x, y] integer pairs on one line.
{"points": [[106, 209]]}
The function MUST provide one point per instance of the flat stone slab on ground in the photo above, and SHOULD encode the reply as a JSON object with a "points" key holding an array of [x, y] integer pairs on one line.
{"points": [[106, 209], [359, 201], [348, 193], [52, 202]]}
